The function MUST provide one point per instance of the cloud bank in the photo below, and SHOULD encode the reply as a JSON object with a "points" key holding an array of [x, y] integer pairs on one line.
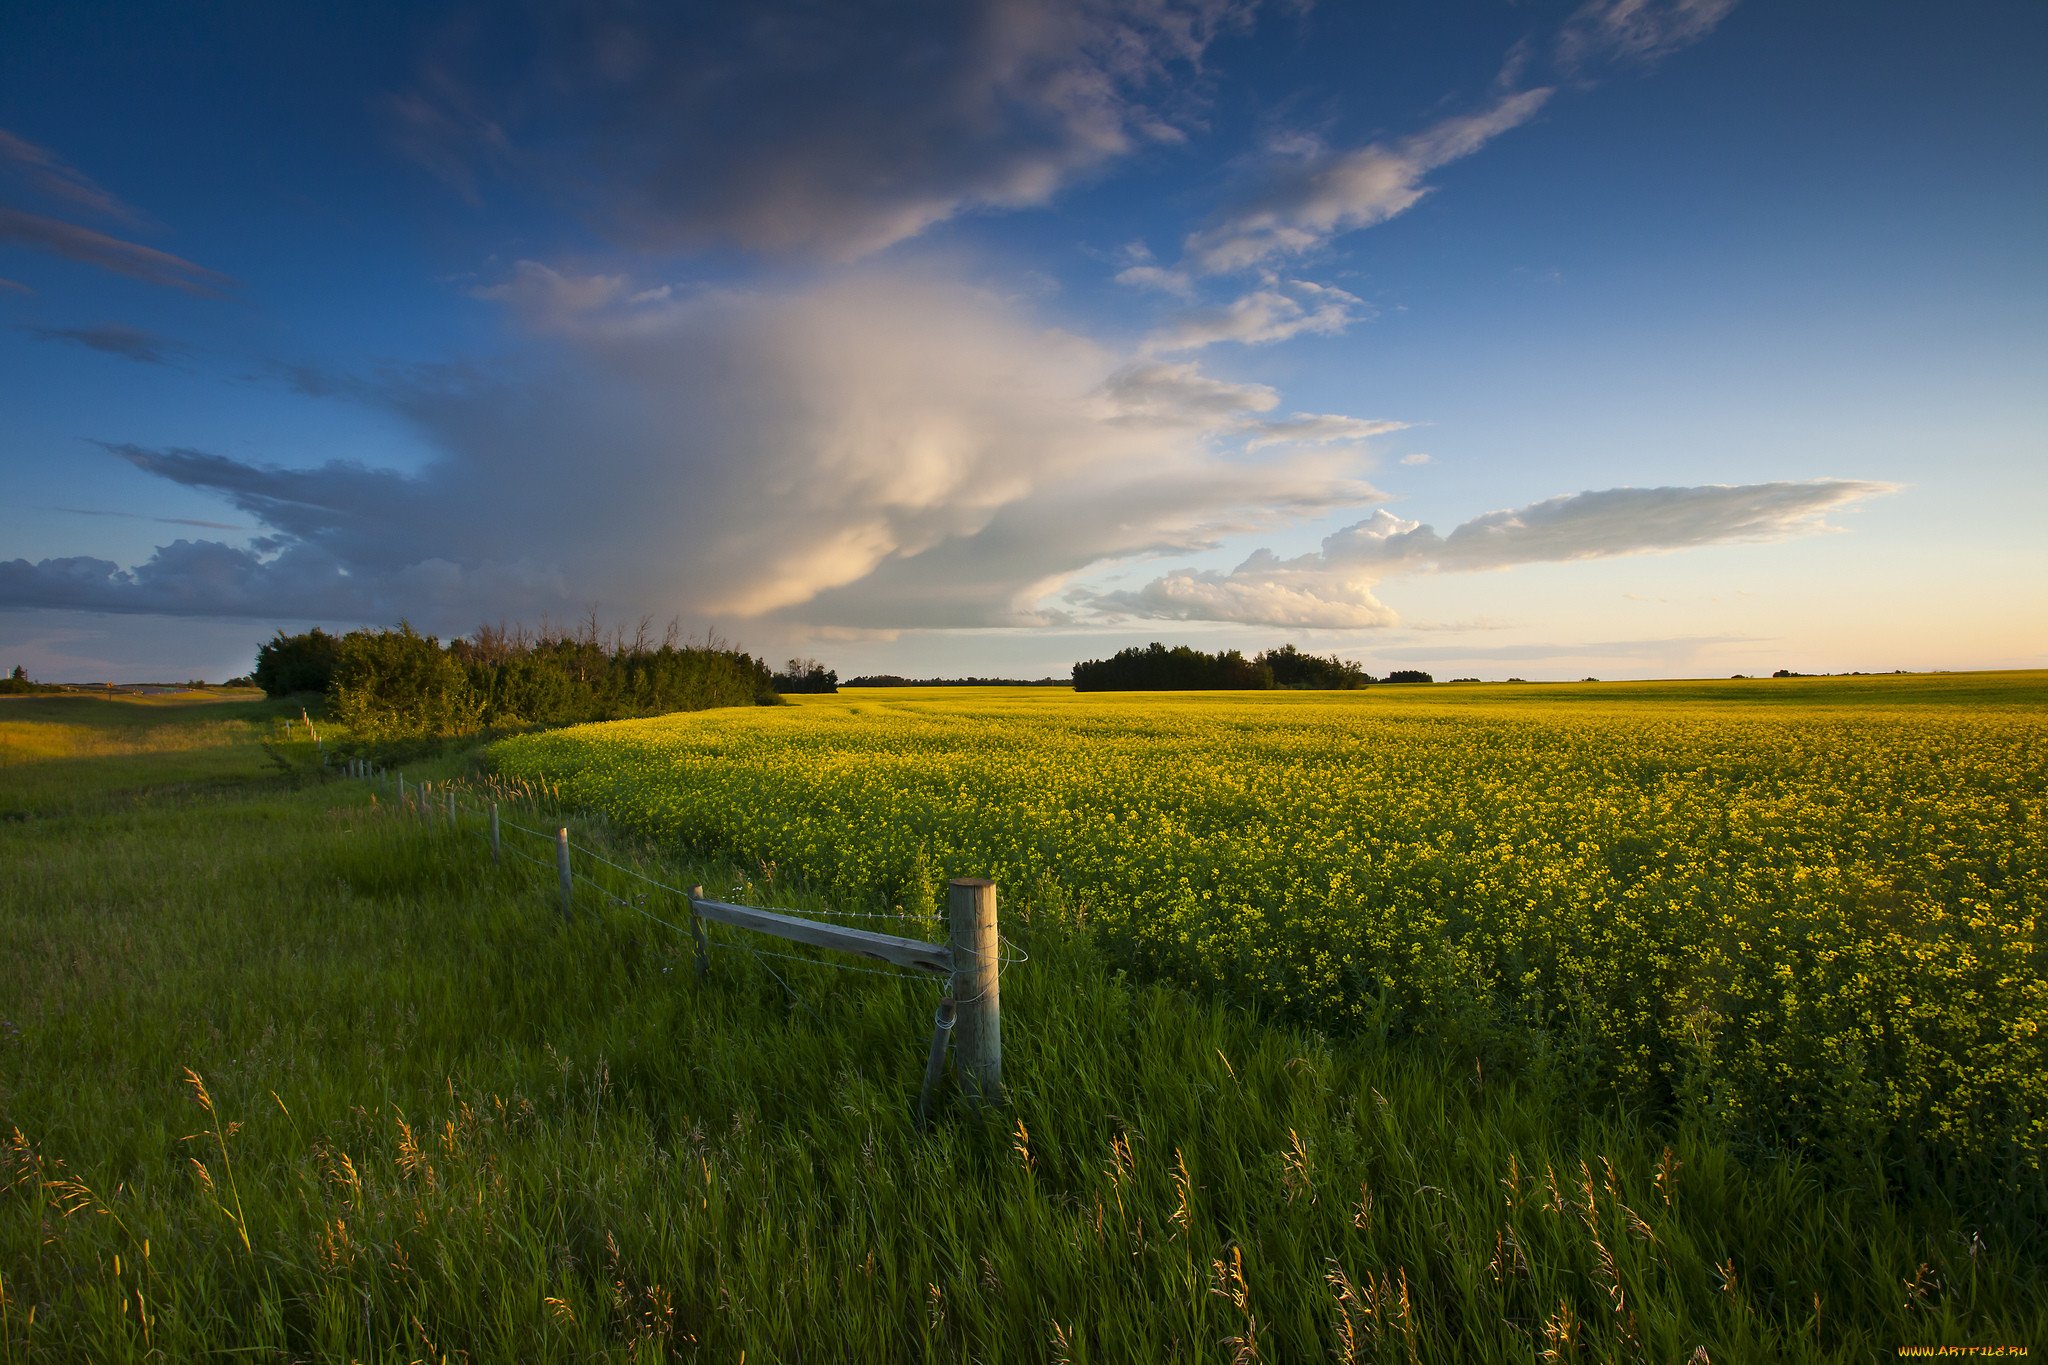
{"points": [[884, 450], [1334, 586]]}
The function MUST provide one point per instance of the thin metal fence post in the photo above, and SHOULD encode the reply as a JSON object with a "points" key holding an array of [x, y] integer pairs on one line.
{"points": [[935, 1061], [562, 869], [977, 964], [697, 932]]}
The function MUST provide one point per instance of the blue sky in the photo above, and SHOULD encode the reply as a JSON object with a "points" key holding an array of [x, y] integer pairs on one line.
{"points": [[1624, 338]]}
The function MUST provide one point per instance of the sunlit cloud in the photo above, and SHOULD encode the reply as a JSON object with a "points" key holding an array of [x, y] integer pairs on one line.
{"points": [[1335, 586], [885, 450]]}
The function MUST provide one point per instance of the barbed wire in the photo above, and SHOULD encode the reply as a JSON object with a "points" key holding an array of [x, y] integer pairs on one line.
{"points": [[1011, 953]]}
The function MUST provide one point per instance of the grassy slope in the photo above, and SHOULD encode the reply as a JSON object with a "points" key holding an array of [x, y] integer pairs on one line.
{"points": [[467, 1128]]}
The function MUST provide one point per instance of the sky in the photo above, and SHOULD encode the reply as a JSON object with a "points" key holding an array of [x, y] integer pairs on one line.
{"points": [[1498, 338]]}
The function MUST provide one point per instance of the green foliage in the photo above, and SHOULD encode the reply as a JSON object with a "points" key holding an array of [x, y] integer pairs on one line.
{"points": [[296, 663], [1292, 668], [394, 685], [18, 683], [399, 684], [1155, 668]]}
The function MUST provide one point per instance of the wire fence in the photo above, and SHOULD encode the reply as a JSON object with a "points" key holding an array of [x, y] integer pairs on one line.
{"points": [[448, 803]]}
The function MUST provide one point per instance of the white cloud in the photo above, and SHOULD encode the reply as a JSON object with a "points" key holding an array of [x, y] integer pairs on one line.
{"points": [[1416, 457], [1180, 393], [884, 451], [1312, 193], [546, 297], [1174, 282], [1274, 313], [1320, 428], [1334, 586]]}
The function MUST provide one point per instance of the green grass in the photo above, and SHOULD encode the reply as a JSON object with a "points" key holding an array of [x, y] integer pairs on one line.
{"points": [[438, 1123]]}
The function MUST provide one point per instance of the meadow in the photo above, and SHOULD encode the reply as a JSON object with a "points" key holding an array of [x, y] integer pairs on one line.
{"points": [[288, 1074]]}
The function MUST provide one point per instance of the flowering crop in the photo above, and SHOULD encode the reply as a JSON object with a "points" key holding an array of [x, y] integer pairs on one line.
{"points": [[1811, 909]]}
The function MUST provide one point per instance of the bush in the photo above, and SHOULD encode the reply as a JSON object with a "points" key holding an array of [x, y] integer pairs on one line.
{"points": [[296, 663], [399, 684]]}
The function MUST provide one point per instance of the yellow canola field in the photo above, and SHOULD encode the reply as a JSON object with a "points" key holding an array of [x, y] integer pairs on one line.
{"points": [[1808, 908]]}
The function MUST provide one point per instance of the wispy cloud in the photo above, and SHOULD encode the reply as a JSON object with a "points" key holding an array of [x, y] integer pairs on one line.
{"points": [[50, 176], [1310, 193], [1274, 313], [1635, 31], [113, 338], [1335, 585], [108, 253], [162, 521], [841, 129]]}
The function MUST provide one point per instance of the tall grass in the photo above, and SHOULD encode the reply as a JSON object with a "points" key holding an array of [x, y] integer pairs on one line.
{"points": [[286, 1073]]}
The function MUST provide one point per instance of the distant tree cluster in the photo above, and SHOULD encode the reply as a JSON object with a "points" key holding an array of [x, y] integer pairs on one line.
{"points": [[893, 680], [399, 684], [1156, 668], [806, 675], [1292, 668], [18, 683]]}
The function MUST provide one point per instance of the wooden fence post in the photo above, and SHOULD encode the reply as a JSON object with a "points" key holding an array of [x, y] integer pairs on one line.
{"points": [[977, 962], [562, 869], [497, 856], [451, 808], [401, 789]]}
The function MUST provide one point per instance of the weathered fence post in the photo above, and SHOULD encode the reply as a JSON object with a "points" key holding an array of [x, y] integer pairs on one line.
{"points": [[697, 931], [451, 809], [401, 789], [562, 869], [977, 962], [497, 855]]}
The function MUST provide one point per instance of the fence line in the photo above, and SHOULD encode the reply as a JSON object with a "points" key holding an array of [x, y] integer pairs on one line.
{"points": [[971, 962]]}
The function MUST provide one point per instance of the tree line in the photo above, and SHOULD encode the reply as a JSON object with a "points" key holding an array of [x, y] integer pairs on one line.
{"points": [[1156, 668], [400, 684]]}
